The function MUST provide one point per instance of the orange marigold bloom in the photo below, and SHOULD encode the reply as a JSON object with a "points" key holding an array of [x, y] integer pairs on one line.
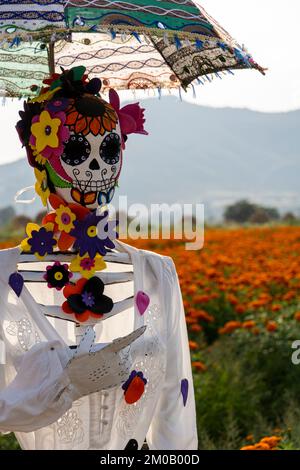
{"points": [[297, 316], [248, 448], [91, 114], [276, 307], [202, 315], [271, 326], [192, 289], [256, 331], [232, 299], [289, 295], [199, 366], [190, 320], [262, 446], [229, 327], [272, 441], [196, 328], [199, 299], [240, 309], [248, 325], [193, 345], [250, 437]]}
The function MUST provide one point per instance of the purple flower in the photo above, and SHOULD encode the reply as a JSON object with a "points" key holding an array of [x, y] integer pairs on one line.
{"points": [[86, 234], [88, 299], [57, 104], [42, 242]]}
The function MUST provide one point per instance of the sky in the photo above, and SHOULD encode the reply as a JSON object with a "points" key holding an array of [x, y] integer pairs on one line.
{"points": [[269, 30]]}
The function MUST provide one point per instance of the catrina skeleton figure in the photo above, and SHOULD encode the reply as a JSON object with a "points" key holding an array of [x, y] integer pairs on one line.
{"points": [[75, 140]]}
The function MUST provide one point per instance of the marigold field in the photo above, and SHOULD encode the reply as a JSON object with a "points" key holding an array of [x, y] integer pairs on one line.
{"points": [[242, 299]]}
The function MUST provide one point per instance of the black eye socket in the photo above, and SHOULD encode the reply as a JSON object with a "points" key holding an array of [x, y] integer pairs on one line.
{"points": [[110, 149], [76, 151]]}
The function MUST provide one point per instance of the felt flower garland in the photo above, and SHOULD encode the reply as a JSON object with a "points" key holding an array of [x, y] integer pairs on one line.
{"points": [[71, 102], [72, 225], [63, 218], [85, 299], [40, 241], [57, 276], [86, 235], [48, 135], [87, 266]]}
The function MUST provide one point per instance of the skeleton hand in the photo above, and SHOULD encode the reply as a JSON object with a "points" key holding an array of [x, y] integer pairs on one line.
{"points": [[96, 367]]}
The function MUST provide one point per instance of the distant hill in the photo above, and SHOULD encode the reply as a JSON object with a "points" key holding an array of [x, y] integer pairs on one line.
{"points": [[200, 154]]}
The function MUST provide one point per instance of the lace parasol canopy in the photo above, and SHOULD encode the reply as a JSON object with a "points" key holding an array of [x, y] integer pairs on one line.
{"points": [[133, 44]]}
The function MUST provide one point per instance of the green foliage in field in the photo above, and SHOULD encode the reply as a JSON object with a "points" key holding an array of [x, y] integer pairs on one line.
{"points": [[251, 387]]}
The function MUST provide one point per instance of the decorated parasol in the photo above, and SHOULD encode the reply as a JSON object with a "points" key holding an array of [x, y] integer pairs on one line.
{"points": [[134, 44]]}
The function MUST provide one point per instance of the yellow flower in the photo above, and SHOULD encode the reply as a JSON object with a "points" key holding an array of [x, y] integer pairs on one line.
{"points": [[65, 218], [45, 131], [45, 96], [29, 229], [87, 266], [40, 159], [41, 185]]}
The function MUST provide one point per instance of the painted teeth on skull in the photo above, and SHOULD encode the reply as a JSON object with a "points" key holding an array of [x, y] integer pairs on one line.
{"points": [[91, 185]]}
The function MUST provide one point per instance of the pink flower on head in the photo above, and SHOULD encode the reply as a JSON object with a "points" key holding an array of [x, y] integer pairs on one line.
{"points": [[49, 134], [131, 116]]}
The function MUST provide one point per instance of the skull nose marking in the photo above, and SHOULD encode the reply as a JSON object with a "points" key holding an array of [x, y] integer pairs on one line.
{"points": [[94, 165]]}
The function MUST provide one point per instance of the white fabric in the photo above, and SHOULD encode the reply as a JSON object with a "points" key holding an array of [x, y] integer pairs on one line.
{"points": [[102, 420]]}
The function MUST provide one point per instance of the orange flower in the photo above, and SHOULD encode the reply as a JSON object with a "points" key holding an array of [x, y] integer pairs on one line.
{"points": [[232, 299], [240, 309], [91, 114], [272, 441], [193, 345], [202, 315], [229, 327], [199, 366], [196, 328], [262, 446], [276, 307], [190, 320], [65, 240], [248, 325], [271, 326], [297, 316], [199, 299]]}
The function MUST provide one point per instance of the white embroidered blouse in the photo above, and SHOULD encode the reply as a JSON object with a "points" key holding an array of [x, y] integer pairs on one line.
{"points": [[165, 413]]}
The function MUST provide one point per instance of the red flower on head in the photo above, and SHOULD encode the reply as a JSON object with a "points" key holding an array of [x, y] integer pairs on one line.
{"points": [[131, 116]]}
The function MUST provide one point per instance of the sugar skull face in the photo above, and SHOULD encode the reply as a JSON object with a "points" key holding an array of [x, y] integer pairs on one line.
{"points": [[75, 140], [88, 169]]}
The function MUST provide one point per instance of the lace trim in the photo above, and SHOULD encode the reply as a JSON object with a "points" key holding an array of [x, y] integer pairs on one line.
{"points": [[69, 428], [24, 331], [153, 365]]}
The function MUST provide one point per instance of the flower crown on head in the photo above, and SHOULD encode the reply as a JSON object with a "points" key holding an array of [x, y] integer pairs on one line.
{"points": [[71, 101]]}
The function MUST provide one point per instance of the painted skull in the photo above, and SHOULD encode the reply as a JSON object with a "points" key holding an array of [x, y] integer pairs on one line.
{"points": [[89, 167], [75, 140]]}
